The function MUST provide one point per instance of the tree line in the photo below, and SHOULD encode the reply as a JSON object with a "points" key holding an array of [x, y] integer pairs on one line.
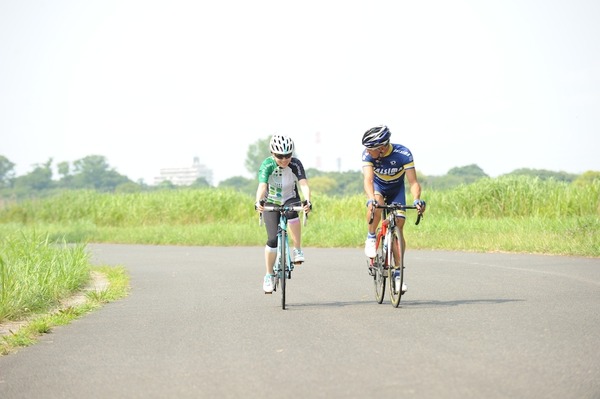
{"points": [[94, 173]]}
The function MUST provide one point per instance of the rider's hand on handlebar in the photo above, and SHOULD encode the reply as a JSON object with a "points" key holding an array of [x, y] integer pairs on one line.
{"points": [[420, 204], [307, 206], [259, 205], [372, 202]]}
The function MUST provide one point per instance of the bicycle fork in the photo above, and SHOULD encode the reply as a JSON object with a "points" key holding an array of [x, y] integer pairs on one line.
{"points": [[284, 266], [385, 232]]}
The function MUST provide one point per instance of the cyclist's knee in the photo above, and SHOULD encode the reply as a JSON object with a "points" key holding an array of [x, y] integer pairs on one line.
{"points": [[291, 215], [400, 222]]}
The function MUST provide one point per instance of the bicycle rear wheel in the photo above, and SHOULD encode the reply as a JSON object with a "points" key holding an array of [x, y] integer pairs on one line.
{"points": [[396, 278], [379, 272]]}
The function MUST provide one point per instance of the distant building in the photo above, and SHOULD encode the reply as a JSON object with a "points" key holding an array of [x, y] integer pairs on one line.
{"points": [[185, 176]]}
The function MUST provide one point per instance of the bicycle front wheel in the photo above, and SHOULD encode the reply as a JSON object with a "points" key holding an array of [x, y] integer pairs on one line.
{"points": [[379, 271], [396, 278], [284, 266]]}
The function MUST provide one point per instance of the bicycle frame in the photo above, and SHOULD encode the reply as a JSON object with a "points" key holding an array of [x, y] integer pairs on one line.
{"points": [[388, 223], [389, 236], [283, 264], [383, 238], [284, 259]]}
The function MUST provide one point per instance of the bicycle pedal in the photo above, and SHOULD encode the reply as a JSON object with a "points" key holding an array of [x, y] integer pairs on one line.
{"points": [[268, 293]]}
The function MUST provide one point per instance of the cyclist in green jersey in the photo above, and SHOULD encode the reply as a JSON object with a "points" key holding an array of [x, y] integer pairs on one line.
{"points": [[279, 177]]}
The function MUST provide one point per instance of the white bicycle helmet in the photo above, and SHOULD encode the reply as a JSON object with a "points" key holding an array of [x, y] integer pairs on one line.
{"points": [[376, 136], [282, 145]]}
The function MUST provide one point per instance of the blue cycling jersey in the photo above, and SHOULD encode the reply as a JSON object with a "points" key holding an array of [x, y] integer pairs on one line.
{"points": [[389, 170]]}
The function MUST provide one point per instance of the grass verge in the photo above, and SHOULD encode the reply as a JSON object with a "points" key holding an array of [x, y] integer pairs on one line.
{"points": [[28, 332]]}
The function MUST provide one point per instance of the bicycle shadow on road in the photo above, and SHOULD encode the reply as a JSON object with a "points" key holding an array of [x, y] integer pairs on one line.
{"points": [[406, 303], [457, 302], [337, 304]]}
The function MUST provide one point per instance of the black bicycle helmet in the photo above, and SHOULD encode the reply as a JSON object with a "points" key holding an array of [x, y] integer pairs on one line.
{"points": [[376, 136]]}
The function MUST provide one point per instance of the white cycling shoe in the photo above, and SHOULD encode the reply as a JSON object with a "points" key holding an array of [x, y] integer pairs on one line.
{"points": [[397, 283], [370, 250], [404, 287], [298, 256], [268, 284]]}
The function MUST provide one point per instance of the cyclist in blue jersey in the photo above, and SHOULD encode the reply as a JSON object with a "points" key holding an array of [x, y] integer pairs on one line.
{"points": [[385, 166], [278, 179]]}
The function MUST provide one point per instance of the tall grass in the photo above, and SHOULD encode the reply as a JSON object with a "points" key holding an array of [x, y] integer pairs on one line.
{"points": [[36, 273], [518, 196], [181, 207], [521, 214]]}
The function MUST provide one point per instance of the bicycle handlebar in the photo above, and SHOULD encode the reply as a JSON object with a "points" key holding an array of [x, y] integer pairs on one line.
{"points": [[394, 207], [281, 209]]}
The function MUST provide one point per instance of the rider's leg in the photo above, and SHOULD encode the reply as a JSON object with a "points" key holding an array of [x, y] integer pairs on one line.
{"points": [[295, 232], [270, 257], [271, 220], [400, 223], [370, 242], [377, 217]]}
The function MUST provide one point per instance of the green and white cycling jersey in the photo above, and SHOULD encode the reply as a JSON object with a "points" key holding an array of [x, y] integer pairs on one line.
{"points": [[281, 182]]}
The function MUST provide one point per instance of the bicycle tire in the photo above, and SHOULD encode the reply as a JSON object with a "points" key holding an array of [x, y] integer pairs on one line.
{"points": [[397, 251], [378, 265], [276, 270], [284, 267]]}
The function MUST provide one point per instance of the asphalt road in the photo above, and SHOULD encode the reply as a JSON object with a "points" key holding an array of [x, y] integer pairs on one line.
{"points": [[196, 324]]}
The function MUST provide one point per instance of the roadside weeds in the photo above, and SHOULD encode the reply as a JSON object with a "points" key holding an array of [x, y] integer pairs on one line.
{"points": [[107, 284]]}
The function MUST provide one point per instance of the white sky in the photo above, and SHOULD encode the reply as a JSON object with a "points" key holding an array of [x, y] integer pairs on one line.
{"points": [[504, 84]]}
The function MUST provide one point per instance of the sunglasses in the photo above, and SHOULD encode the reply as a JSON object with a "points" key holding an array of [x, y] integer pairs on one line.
{"points": [[282, 156]]}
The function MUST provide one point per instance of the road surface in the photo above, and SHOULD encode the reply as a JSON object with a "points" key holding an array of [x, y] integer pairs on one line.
{"points": [[196, 324]]}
